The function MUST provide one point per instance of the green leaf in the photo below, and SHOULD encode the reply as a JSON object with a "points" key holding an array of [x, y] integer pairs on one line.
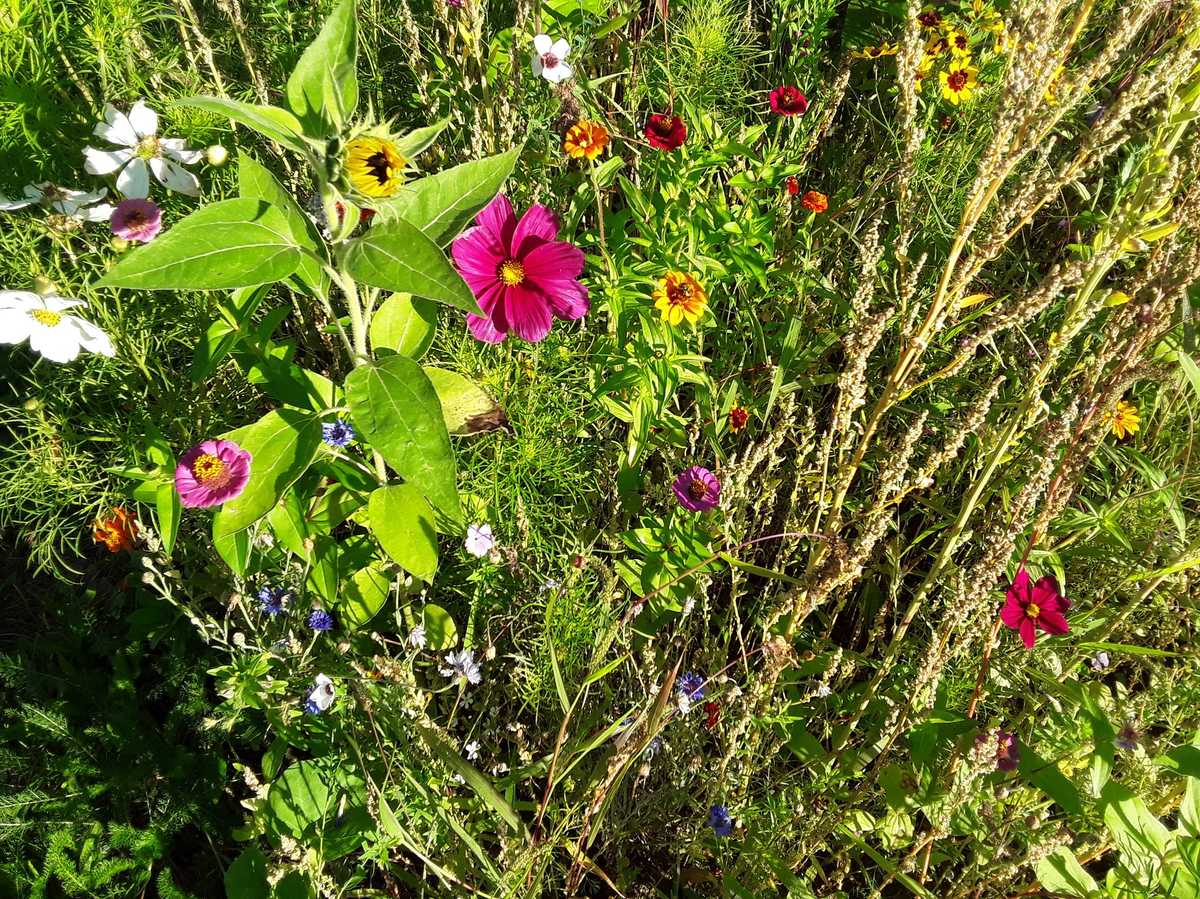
{"points": [[326, 73], [442, 204], [246, 878], [270, 121], [1046, 777], [294, 885], [333, 507], [440, 632], [404, 325], [402, 522], [222, 336], [1134, 830], [362, 597], [169, 510], [298, 801], [420, 139], [1183, 759], [466, 408], [281, 445], [256, 182], [234, 549], [324, 574], [1060, 872], [397, 256], [397, 410], [233, 243], [1189, 809], [286, 519]]}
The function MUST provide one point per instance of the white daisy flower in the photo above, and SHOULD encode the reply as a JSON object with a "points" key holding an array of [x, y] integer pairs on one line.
{"points": [[142, 153], [25, 315], [323, 694], [480, 540], [472, 750], [550, 58], [78, 204], [461, 663]]}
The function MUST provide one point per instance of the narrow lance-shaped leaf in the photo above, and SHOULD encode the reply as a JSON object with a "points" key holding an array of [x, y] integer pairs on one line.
{"points": [[270, 121]]}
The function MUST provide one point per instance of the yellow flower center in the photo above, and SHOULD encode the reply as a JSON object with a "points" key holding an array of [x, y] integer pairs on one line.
{"points": [[697, 490], [511, 272], [46, 317], [147, 148], [1032, 610], [209, 470]]}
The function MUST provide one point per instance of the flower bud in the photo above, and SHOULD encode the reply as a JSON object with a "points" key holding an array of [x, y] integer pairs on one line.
{"points": [[32, 404], [44, 286], [216, 155], [120, 244]]}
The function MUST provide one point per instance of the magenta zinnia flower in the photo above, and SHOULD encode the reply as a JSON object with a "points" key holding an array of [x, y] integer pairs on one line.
{"points": [[1028, 606], [697, 489], [212, 472], [520, 274], [138, 220]]}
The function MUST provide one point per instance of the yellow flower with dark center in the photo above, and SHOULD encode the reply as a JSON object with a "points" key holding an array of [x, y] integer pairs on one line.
{"points": [[923, 70], [884, 49], [936, 46], [585, 140], [959, 81], [375, 166], [680, 296], [960, 46], [1125, 420]]}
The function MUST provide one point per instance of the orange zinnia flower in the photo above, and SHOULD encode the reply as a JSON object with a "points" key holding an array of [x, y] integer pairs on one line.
{"points": [[119, 531], [680, 296], [585, 140], [815, 201], [739, 416]]}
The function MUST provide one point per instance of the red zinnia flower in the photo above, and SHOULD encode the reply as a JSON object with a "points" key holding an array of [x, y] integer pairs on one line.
{"points": [[793, 186], [1034, 605], [788, 100], [665, 132], [739, 417]]}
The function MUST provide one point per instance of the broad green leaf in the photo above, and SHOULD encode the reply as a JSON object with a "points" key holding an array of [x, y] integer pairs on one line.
{"points": [[319, 808], [442, 204], [298, 801], [418, 140], [362, 597], [1183, 759], [1189, 809], [1135, 831], [257, 182], [234, 549], [404, 325], [232, 243], [440, 632], [270, 121], [224, 334], [294, 885], [169, 510], [323, 88], [465, 406], [397, 411], [333, 507], [324, 574], [1046, 777], [246, 878], [402, 522], [397, 256], [286, 519], [281, 445], [1060, 872]]}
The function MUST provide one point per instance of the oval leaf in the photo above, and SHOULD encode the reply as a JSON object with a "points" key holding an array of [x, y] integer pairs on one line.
{"points": [[404, 325], [362, 597], [465, 406], [402, 522], [440, 631], [270, 121]]}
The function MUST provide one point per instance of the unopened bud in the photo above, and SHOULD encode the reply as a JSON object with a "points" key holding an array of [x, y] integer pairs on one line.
{"points": [[216, 155], [120, 244], [44, 286]]}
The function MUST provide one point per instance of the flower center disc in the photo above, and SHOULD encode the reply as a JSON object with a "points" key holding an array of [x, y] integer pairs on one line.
{"points": [[210, 471], [147, 147], [697, 490], [549, 60], [380, 167], [511, 272], [1032, 610], [957, 80], [46, 317]]}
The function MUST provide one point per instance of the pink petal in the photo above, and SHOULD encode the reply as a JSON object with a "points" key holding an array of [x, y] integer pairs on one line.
{"points": [[498, 218], [477, 251], [1020, 585], [1028, 635], [1045, 591], [483, 329], [538, 225], [553, 261], [569, 299], [1053, 622], [527, 313], [1012, 613]]}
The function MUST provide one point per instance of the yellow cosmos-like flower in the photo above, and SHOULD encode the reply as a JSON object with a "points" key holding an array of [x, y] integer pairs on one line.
{"points": [[884, 49], [375, 166], [959, 81], [585, 140], [1125, 420], [960, 46], [680, 296]]}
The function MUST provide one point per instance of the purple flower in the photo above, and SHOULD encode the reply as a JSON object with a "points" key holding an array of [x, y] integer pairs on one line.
{"points": [[138, 220], [719, 820], [697, 489], [273, 599], [212, 472], [691, 685], [337, 433], [1127, 737], [320, 620], [1008, 757], [311, 707]]}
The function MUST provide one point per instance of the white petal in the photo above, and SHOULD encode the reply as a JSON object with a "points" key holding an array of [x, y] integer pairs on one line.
{"points": [[542, 44], [58, 344], [86, 197], [100, 213], [58, 304], [143, 119], [175, 177], [104, 162], [35, 192], [23, 300], [134, 180], [561, 48], [91, 338], [116, 128], [176, 148], [15, 325], [560, 72], [6, 203]]}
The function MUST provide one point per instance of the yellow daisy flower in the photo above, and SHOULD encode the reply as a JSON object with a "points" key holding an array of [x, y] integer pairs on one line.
{"points": [[1125, 420], [680, 296], [375, 166], [960, 46], [959, 81]]}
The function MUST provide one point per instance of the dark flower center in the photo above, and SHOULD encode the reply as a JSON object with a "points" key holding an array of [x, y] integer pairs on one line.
{"points": [[380, 167], [957, 80], [697, 490], [549, 60]]}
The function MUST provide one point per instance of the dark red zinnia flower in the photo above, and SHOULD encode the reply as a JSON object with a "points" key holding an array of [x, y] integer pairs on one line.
{"points": [[665, 132], [793, 186], [788, 100]]}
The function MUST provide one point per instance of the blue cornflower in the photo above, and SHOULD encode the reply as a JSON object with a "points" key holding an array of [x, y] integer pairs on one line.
{"points": [[320, 620], [337, 433], [311, 707], [719, 820], [273, 599], [691, 685]]}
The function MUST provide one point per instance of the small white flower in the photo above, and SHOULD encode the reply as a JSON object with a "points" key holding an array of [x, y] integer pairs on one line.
{"points": [[323, 694], [458, 778], [416, 637], [685, 703], [499, 769], [472, 750], [461, 663], [141, 153], [550, 57], [59, 337], [823, 691], [1100, 661], [77, 204], [480, 540]]}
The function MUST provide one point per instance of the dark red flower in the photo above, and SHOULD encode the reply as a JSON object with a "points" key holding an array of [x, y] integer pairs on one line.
{"points": [[713, 711], [793, 186], [665, 132], [788, 100], [1028, 606]]}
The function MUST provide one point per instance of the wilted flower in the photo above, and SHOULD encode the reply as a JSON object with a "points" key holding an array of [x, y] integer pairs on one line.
{"points": [[1029, 605], [212, 472], [550, 58], [479, 540], [824, 691], [273, 599], [118, 531], [521, 275], [76, 204], [739, 417], [719, 820], [712, 714], [788, 101], [41, 320], [959, 81], [665, 132], [337, 433], [815, 201], [137, 220], [680, 296], [320, 620], [585, 140], [416, 637], [1125, 419], [141, 153], [321, 697], [374, 166], [462, 664], [697, 489]]}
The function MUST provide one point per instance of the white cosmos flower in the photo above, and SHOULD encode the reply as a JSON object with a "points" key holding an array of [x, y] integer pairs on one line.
{"points": [[141, 153], [550, 57], [323, 694], [24, 315], [79, 204]]}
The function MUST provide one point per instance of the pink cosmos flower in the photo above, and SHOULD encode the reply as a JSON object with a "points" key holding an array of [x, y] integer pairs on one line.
{"points": [[212, 472], [522, 277], [697, 489], [138, 220], [1034, 605]]}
